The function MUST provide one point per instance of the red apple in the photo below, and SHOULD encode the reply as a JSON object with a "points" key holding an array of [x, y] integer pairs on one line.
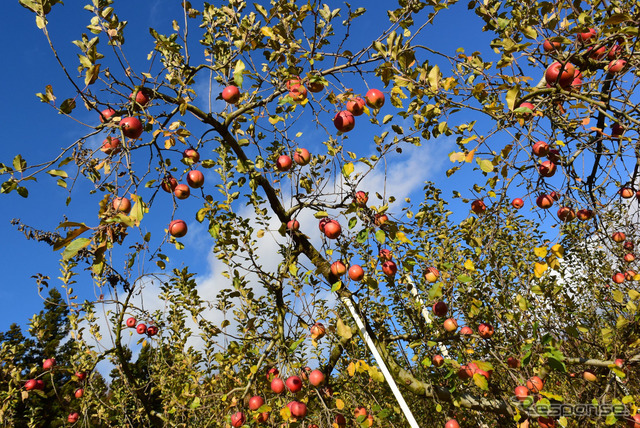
{"points": [[338, 268], [40, 384], [540, 149], [81, 376], [361, 198], [152, 330], [385, 254], [73, 418], [49, 363], [389, 268], [294, 383], [344, 121], [521, 393], [169, 184], [618, 278], [628, 245], [107, 114], [630, 275], [554, 156], [121, 204], [261, 418], [530, 107], [110, 146], [618, 236], [255, 402], [379, 219], [478, 206], [546, 422], [466, 331], [182, 191], [626, 192], [634, 422], [535, 384], [191, 156], [131, 322], [293, 224], [315, 86], [517, 203], [340, 420], [298, 410], [584, 214], [293, 81], [485, 330], [614, 52], [432, 274], [450, 324], [283, 163], [375, 98], [30, 384], [302, 156], [616, 66], [566, 214], [131, 127], [298, 93], [272, 373], [79, 393], [277, 385], [437, 360], [238, 419], [598, 53], [195, 179], [141, 328], [558, 73], [332, 229], [512, 362], [547, 169], [317, 331], [355, 106], [439, 309], [452, 423], [583, 37], [549, 46], [619, 362], [617, 130], [356, 273], [629, 257], [231, 94], [544, 201], [141, 97], [177, 228], [316, 378], [465, 372]]}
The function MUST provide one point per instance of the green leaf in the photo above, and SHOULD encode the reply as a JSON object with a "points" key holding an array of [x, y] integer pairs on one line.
{"points": [[480, 381], [19, 164], [512, 95], [75, 246], [464, 278], [485, 165], [238, 71], [68, 105], [58, 173], [380, 236], [297, 343]]}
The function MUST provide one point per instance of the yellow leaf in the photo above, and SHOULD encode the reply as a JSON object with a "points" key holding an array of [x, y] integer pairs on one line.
{"points": [[539, 269], [469, 156], [403, 238], [540, 252], [266, 31], [456, 157], [260, 233], [468, 265], [347, 169], [339, 404], [553, 262], [351, 369], [558, 251]]}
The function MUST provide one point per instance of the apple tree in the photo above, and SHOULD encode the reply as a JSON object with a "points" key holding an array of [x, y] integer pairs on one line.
{"points": [[503, 293]]}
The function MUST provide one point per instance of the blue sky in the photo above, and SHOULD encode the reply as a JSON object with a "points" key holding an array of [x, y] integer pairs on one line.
{"points": [[36, 131]]}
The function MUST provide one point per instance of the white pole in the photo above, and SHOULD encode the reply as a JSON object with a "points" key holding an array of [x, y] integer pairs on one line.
{"points": [[383, 367]]}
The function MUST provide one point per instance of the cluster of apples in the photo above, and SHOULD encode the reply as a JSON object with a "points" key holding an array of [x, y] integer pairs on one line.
{"points": [[142, 328], [37, 384], [629, 256], [345, 121], [130, 125], [301, 157]]}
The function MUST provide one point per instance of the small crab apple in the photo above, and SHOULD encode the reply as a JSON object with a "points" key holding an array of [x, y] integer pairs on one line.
{"points": [[380, 218], [466, 331], [629, 257], [375, 98], [618, 236], [78, 393], [131, 322], [231, 94], [344, 121], [549, 46], [478, 206], [355, 106], [141, 328], [338, 268], [385, 254], [356, 273], [73, 418], [302, 157], [530, 107], [152, 330], [452, 423], [485, 330], [584, 214], [626, 192], [81, 376], [49, 363], [177, 228], [283, 163], [272, 373], [450, 324], [517, 203], [618, 278], [317, 331], [521, 393], [195, 179], [293, 81], [111, 146]]}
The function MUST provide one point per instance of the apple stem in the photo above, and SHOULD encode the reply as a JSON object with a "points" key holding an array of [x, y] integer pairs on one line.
{"points": [[383, 367]]}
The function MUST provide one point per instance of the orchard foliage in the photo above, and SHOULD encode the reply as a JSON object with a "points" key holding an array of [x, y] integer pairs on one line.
{"points": [[273, 117]]}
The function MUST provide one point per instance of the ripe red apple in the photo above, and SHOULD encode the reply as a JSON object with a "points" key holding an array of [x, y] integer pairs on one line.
{"points": [[317, 331], [379, 219], [375, 98], [549, 46], [452, 423], [540, 149], [298, 93], [40, 384], [584, 214], [152, 330], [332, 229], [616, 66], [617, 130], [629, 257], [465, 372], [466, 331], [81, 376], [618, 278], [385, 254], [169, 184], [338, 268], [340, 420], [315, 86], [182, 191], [355, 106], [302, 156], [231, 94], [293, 81], [141, 328], [30, 384], [283, 163], [521, 393], [485, 330], [298, 410], [49, 363], [261, 418], [530, 107], [316, 378], [191, 156], [439, 309], [598, 53], [238, 419], [79, 393], [195, 179], [73, 417], [432, 274], [141, 97], [512, 362], [630, 275], [618, 236], [546, 422], [360, 411], [272, 373], [356, 273], [344, 121], [293, 224], [547, 169], [583, 37], [361, 198], [131, 322], [107, 114], [121, 204], [294, 383], [450, 324], [131, 127], [544, 201], [437, 360], [478, 206], [626, 192], [535, 384], [255, 402], [110, 146], [389, 268], [634, 422], [566, 214], [619, 362], [558, 73], [177, 228], [517, 203], [277, 385]]}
